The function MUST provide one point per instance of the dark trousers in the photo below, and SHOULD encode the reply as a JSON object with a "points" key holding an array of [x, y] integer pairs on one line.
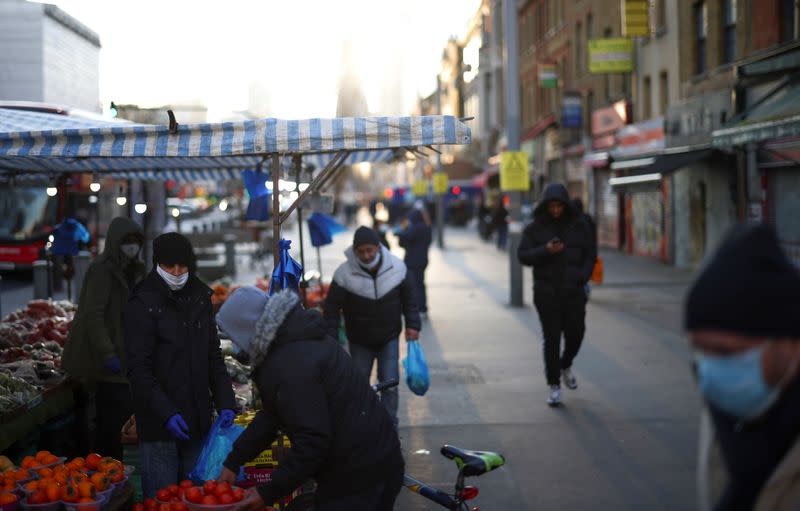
{"points": [[114, 406], [560, 311], [380, 497], [418, 278], [502, 236]]}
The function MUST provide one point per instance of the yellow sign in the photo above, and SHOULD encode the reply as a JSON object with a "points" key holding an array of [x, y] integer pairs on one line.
{"points": [[611, 55], [514, 171], [635, 18], [420, 188], [440, 183]]}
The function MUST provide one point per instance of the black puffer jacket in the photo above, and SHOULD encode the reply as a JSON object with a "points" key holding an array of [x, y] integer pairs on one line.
{"points": [[373, 305], [341, 434], [570, 268], [174, 360]]}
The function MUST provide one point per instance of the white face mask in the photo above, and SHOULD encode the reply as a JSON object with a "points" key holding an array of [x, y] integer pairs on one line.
{"points": [[372, 264], [130, 249], [172, 281]]}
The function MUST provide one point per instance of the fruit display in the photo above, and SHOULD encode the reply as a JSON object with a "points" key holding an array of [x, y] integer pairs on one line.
{"points": [[15, 392], [40, 321], [218, 496], [8, 501]]}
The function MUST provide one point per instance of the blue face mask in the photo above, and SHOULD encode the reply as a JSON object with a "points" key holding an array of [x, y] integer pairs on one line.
{"points": [[735, 383]]}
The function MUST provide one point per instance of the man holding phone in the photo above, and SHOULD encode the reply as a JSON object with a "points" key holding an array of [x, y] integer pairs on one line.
{"points": [[559, 244]]}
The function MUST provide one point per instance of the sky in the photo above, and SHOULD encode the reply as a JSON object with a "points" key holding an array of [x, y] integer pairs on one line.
{"points": [[213, 52]]}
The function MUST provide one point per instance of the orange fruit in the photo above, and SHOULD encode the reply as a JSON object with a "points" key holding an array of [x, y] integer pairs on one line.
{"points": [[93, 460], [41, 455], [87, 489], [37, 498], [69, 493], [31, 485], [22, 474], [28, 462], [53, 492], [49, 459], [46, 472], [61, 477], [78, 477], [100, 481], [8, 498]]}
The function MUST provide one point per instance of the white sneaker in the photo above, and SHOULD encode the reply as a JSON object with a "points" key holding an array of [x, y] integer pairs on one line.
{"points": [[554, 399], [569, 379]]}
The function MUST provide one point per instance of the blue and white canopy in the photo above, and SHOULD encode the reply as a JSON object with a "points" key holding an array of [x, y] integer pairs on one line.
{"points": [[34, 142]]}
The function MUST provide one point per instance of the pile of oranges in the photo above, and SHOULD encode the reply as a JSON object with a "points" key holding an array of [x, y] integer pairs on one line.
{"points": [[76, 482]]}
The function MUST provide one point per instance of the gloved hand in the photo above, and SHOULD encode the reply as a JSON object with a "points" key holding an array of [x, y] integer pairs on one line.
{"points": [[225, 418], [177, 427], [113, 365]]}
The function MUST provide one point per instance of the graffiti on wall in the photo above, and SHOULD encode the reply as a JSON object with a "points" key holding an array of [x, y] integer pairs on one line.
{"points": [[647, 217]]}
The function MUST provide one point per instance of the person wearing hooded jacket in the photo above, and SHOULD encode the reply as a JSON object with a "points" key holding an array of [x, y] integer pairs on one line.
{"points": [[175, 365], [310, 390], [560, 247], [741, 317], [374, 292], [416, 239], [94, 352]]}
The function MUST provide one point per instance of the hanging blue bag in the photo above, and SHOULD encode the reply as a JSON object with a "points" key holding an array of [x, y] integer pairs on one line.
{"points": [[416, 367], [218, 444]]}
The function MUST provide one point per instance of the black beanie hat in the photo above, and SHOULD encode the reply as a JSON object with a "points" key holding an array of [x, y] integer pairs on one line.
{"points": [[173, 248], [750, 287], [365, 236]]}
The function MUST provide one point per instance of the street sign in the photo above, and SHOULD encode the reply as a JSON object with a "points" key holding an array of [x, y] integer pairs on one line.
{"points": [[548, 76], [440, 183], [635, 18], [614, 55], [420, 188], [514, 171]]}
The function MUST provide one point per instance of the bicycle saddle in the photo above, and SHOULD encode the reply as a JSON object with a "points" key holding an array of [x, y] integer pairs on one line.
{"points": [[473, 463]]}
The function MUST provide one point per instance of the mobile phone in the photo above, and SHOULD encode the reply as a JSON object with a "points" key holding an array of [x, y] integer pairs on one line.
{"points": [[556, 241]]}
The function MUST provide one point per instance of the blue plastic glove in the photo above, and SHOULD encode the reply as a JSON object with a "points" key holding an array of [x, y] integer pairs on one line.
{"points": [[177, 427], [226, 418], [113, 365]]}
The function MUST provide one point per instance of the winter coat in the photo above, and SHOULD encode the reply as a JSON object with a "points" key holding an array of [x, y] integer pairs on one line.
{"points": [[416, 239], [175, 364], [751, 466], [96, 334], [373, 305], [341, 434], [572, 267]]}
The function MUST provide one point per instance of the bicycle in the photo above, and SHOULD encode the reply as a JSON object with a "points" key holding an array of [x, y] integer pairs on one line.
{"points": [[469, 463]]}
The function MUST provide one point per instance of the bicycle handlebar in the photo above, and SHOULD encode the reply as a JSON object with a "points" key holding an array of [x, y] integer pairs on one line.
{"points": [[383, 385]]}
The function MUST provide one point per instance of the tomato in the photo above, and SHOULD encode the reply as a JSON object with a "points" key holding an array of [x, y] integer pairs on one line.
{"points": [[163, 507], [238, 494], [226, 498], [209, 487], [173, 489], [181, 493], [194, 495], [163, 495], [179, 506], [222, 489], [210, 500], [138, 507], [186, 484], [150, 504]]}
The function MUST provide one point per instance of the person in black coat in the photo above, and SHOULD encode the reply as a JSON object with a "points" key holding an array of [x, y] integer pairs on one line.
{"points": [[416, 239], [175, 366], [560, 247], [310, 390]]}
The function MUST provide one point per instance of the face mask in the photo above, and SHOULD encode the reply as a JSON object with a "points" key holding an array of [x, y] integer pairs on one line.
{"points": [[130, 249], [172, 281], [735, 384], [371, 265]]}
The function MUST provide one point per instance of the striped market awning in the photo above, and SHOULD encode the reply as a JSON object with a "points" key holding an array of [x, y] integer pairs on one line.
{"points": [[35, 142]]}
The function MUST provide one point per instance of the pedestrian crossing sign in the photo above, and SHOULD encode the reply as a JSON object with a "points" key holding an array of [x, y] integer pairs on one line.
{"points": [[440, 183], [514, 172], [420, 187]]}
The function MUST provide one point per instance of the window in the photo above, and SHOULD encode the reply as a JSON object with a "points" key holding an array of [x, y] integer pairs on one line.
{"points": [[589, 33], [700, 33], [589, 111], [647, 98], [728, 31], [578, 50], [663, 93], [660, 15], [607, 76], [788, 20]]}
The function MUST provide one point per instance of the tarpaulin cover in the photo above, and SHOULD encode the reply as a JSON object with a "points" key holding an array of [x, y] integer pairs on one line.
{"points": [[288, 273], [322, 228]]}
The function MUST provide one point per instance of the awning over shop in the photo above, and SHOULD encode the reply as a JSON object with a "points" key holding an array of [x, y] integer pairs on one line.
{"points": [[776, 115], [652, 167]]}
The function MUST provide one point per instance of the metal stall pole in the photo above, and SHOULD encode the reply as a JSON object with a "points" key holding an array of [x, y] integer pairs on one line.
{"points": [[297, 160], [276, 209], [439, 196], [511, 65]]}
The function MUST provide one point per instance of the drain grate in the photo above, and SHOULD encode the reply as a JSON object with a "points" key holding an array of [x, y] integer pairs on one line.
{"points": [[455, 374]]}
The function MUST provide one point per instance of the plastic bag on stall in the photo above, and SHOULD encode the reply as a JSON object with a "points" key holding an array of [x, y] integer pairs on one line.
{"points": [[216, 448], [416, 367]]}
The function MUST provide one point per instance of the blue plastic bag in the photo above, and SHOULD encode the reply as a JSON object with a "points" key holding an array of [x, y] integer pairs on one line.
{"points": [[219, 443], [416, 367]]}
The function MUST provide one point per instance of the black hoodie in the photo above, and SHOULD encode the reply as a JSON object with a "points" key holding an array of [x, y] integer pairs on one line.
{"points": [[572, 267], [341, 434]]}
